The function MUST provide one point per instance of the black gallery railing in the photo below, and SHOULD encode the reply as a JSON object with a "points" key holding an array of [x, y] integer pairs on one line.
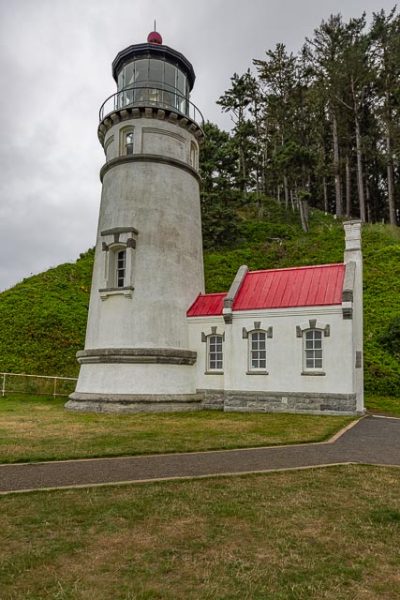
{"points": [[151, 96]]}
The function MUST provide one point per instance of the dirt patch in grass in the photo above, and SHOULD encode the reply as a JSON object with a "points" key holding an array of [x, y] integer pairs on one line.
{"points": [[320, 534], [33, 429]]}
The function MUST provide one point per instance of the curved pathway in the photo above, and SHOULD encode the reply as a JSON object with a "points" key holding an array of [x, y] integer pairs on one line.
{"points": [[372, 440]]}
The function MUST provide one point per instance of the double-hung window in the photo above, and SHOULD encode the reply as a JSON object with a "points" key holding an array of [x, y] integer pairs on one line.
{"points": [[257, 351], [313, 349], [214, 353]]}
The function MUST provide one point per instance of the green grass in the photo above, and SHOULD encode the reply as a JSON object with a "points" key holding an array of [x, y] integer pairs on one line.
{"points": [[43, 318], [38, 428], [308, 535], [386, 405]]}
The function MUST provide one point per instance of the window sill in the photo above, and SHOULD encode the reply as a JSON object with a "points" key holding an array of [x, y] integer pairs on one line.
{"points": [[315, 373], [213, 372], [122, 291], [257, 373]]}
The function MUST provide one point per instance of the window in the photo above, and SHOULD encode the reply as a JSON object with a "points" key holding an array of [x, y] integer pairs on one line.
{"points": [[118, 247], [126, 140], [193, 155], [313, 349], [129, 143], [120, 268], [257, 351], [214, 353]]}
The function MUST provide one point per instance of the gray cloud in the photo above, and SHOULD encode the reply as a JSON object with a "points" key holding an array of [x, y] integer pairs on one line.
{"points": [[55, 72]]}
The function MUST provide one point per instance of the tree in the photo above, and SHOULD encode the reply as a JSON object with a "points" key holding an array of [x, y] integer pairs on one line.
{"points": [[385, 56]]}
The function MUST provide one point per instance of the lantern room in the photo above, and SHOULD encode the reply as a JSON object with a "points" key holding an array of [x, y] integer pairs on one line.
{"points": [[153, 74]]}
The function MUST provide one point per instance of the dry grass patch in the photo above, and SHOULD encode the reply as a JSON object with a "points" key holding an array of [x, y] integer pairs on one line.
{"points": [[319, 534], [37, 428]]}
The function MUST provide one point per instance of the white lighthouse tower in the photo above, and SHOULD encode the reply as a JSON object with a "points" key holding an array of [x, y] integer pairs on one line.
{"points": [[148, 265]]}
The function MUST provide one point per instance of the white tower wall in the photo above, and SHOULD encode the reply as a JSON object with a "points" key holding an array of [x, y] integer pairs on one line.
{"points": [[148, 265]]}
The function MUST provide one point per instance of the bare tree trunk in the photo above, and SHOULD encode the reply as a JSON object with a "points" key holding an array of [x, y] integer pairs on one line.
{"points": [[303, 206], [360, 181], [336, 166], [348, 186], [292, 203], [368, 198], [278, 195], [390, 182], [325, 189], [286, 188]]}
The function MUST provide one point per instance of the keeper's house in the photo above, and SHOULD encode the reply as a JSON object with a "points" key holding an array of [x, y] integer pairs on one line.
{"points": [[287, 340]]}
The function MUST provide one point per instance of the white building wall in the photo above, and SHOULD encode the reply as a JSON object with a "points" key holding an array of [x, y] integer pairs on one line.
{"points": [[287, 386], [285, 353]]}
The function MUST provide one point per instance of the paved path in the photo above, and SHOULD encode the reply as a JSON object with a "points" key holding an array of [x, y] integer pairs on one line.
{"points": [[372, 440]]}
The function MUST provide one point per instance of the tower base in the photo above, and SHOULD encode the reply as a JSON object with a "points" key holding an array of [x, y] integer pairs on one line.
{"points": [[135, 403]]}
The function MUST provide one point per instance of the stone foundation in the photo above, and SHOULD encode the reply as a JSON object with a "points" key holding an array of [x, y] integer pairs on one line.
{"points": [[327, 404], [227, 401], [122, 403], [212, 399]]}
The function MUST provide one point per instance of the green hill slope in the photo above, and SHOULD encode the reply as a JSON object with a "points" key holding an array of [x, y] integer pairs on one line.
{"points": [[43, 318]]}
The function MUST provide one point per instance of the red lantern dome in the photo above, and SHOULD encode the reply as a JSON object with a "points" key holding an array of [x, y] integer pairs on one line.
{"points": [[154, 38]]}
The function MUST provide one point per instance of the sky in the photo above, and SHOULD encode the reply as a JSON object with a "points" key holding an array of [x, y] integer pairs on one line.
{"points": [[55, 72]]}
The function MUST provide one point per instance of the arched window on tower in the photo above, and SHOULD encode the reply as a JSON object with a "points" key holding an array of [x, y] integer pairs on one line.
{"points": [[129, 143], [126, 141], [193, 155]]}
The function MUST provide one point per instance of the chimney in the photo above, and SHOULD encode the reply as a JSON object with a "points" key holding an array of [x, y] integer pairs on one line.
{"points": [[354, 270]]}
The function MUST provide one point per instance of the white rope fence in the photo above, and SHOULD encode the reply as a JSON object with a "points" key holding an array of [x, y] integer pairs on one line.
{"points": [[46, 385]]}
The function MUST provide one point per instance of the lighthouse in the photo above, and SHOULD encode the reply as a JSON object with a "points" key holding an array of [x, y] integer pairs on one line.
{"points": [[148, 266]]}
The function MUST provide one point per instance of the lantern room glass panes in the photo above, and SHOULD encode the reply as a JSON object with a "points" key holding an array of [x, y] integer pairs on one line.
{"points": [[141, 70], [154, 81], [156, 71], [170, 74], [313, 349]]}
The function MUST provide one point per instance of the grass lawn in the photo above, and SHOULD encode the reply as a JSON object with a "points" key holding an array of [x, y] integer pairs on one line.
{"points": [[328, 534], [388, 405], [38, 428]]}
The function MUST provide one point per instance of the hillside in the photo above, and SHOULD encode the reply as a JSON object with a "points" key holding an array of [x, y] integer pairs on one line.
{"points": [[44, 317]]}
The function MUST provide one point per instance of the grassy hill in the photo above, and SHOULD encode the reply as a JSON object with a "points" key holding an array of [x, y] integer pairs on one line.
{"points": [[43, 318]]}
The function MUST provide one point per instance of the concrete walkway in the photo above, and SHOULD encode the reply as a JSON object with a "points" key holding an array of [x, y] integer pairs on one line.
{"points": [[372, 440]]}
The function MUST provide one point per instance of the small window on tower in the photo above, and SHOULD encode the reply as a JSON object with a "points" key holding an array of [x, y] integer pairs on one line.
{"points": [[126, 140], [120, 268], [193, 155], [129, 143]]}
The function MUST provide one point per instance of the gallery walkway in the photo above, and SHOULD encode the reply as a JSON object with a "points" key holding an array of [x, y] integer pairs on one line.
{"points": [[372, 440]]}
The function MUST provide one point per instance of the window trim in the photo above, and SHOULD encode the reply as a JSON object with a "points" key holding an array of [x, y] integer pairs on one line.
{"points": [[115, 241]]}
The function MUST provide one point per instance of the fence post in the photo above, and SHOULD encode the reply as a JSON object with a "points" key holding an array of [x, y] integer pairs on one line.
{"points": [[3, 388], [55, 387]]}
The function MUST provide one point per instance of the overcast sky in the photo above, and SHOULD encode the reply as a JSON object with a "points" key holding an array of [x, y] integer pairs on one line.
{"points": [[55, 72]]}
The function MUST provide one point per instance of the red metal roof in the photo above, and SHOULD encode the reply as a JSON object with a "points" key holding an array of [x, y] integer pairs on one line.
{"points": [[207, 304], [288, 288], [279, 288]]}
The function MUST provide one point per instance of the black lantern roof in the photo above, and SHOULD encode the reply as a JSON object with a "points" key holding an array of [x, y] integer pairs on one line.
{"points": [[153, 51]]}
